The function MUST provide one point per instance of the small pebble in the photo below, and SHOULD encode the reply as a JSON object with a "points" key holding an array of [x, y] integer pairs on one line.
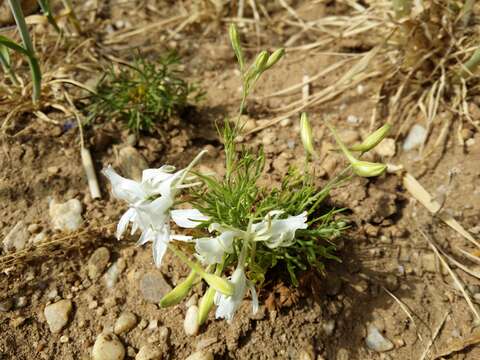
{"points": [[415, 138], [149, 352], [108, 347], [113, 273], [98, 262], [352, 119], [131, 163], [21, 302], [64, 339], [125, 322], [6, 305], [153, 325], [190, 323], [153, 286], [192, 301], [57, 315], [386, 148], [285, 122], [328, 327], [66, 216], [17, 238], [376, 341], [304, 355], [200, 355]]}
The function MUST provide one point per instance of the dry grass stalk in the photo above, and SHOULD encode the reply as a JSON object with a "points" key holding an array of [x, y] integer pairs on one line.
{"points": [[454, 276]]}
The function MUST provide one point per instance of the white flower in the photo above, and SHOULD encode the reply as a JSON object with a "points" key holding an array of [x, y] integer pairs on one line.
{"points": [[228, 305], [272, 231], [150, 202], [155, 182], [276, 232], [211, 250]]}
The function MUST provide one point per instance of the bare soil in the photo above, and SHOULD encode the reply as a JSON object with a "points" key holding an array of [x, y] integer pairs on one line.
{"points": [[328, 315]]}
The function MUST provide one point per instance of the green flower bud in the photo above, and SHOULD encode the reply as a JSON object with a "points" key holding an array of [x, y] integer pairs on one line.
{"points": [[274, 58], [306, 135], [373, 139], [361, 168], [218, 283], [261, 61], [205, 305], [237, 49], [368, 169], [179, 292]]}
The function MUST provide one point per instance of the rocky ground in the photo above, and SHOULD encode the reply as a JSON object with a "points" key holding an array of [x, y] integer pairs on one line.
{"points": [[70, 290]]}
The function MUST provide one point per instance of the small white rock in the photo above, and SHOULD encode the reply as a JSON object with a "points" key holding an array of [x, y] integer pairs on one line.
{"points": [[352, 119], [304, 355], [190, 324], [38, 238], [415, 138], [470, 142], [108, 347], [17, 238], [113, 273], [200, 355], [66, 216], [386, 148], [376, 341], [285, 122], [57, 315], [192, 301], [149, 352]]}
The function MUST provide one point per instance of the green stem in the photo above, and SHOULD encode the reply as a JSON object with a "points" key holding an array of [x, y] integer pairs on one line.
{"points": [[472, 64], [27, 43], [467, 12], [402, 8], [7, 66], [218, 283], [47, 11]]}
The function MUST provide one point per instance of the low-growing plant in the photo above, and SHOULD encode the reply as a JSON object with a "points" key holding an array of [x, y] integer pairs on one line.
{"points": [[240, 228], [143, 94]]}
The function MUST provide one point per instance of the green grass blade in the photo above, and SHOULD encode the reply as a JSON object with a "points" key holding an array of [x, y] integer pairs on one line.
{"points": [[7, 65], [32, 61], [47, 11], [27, 50]]}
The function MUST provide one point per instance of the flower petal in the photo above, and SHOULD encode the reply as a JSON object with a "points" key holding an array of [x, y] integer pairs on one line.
{"points": [[188, 218], [281, 232], [129, 216], [179, 237], [160, 245], [156, 176], [227, 305], [124, 189], [254, 298], [154, 214], [211, 250]]}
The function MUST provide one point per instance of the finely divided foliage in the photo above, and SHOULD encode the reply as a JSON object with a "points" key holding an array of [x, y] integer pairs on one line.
{"points": [[243, 229], [143, 94]]}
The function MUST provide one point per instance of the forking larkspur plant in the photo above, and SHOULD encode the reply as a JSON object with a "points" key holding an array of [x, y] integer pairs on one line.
{"points": [[247, 229]]}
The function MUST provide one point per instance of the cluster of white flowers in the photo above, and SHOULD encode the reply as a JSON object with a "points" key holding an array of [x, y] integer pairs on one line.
{"points": [[151, 210]]}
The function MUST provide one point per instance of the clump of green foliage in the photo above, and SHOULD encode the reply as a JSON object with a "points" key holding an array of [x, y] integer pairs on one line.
{"points": [[143, 94]]}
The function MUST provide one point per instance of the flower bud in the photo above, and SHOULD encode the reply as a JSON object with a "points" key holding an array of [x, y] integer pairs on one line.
{"points": [[306, 135], [360, 168], [373, 139], [237, 49], [206, 303], [261, 61], [368, 169], [274, 58], [179, 292], [219, 283]]}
